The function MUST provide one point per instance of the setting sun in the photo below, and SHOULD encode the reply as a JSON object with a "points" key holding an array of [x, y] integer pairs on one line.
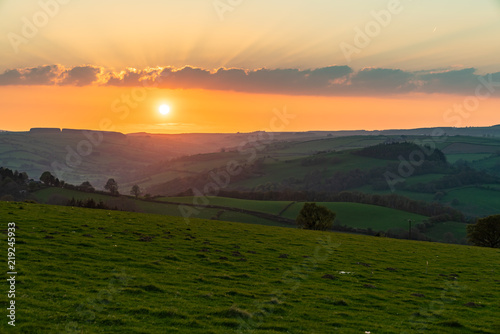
{"points": [[164, 109]]}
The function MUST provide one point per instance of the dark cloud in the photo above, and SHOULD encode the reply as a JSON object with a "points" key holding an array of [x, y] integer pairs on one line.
{"points": [[278, 81], [326, 81], [81, 75], [383, 81], [458, 81], [10, 77], [42, 75]]}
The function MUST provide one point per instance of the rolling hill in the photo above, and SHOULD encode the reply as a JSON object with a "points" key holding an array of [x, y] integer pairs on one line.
{"points": [[356, 216]]}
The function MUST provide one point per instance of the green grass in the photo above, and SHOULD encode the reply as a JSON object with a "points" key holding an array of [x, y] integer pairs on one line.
{"points": [[422, 179], [61, 196], [458, 231], [86, 271], [364, 215], [272, 207], [355, 215], [475, 201], [452, 158], [350, 214]]}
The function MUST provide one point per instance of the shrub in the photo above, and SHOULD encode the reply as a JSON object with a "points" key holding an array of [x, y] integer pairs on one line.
{"points": [[315, 217], [485, 232]]}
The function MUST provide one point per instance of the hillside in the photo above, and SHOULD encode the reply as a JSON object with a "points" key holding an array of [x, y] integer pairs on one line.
{"points": [[355, 217], [95, 156], [96, 271], [146, 159], [462, 172]]}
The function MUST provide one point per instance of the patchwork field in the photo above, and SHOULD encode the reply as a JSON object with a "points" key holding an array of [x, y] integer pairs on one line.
{"points": [[354, 215]]}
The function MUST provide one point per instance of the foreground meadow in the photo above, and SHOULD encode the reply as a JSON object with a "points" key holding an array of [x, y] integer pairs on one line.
{"points": [[98, 271]]}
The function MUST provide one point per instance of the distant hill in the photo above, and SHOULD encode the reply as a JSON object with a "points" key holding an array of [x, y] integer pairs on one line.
{"points": [[154, 160]]}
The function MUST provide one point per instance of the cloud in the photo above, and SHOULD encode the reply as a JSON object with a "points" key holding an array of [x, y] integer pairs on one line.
{"points": [[325, 81], [42, 75], [81, 75], [10, 77], [383, 81], [457, 81]]}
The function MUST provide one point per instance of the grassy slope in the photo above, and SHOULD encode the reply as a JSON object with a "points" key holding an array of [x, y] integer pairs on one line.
{"points": [[349, 214], [475, 201], [364, 216], [87, 270], [44, 195], [272, 207]]}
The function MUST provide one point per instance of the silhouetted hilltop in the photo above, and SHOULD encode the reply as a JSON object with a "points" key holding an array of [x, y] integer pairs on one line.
{"points": [[45, 130], [106, 133]]}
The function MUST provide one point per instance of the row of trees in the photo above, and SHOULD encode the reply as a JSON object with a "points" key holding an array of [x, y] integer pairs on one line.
{"points": [[13, 184], [111, 185]]}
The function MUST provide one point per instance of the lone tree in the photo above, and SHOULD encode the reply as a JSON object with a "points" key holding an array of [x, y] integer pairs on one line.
{"points": [[315, 217], [112, 186], [47, 178], [136, 191], [485, 232], [86, 187]]}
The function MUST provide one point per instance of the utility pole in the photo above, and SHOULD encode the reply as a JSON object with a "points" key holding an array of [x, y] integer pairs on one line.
{"points": [[409, 229]]}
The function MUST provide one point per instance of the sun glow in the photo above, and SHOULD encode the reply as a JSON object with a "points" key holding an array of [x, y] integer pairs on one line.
{"points": [[164, 109]]}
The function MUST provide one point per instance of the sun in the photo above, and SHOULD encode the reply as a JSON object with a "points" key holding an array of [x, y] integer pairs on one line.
{"points": [[164, 109]]}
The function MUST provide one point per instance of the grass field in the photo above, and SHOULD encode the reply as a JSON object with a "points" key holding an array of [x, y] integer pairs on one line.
{"points": [[353, 215], [364, 216], [94, 271], [272, 207], [350, 214], [438, 232], [475, 201], [62, 195]]}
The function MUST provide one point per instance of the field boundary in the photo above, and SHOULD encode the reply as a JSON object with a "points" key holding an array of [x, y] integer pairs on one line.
{"points": [[286, 208], [245, 211]]}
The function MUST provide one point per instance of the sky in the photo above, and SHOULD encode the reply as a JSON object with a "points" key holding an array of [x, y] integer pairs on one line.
{"points": [[231, 65]]}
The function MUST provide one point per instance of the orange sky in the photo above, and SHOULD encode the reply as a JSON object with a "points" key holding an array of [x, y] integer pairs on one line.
{"points": [[196, 110], [373, 64]]}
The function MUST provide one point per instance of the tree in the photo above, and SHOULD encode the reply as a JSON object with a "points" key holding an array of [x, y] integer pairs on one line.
{"points": [[485, 232], [136, 191], [315, 217], [47, 178], [112, 186], [86, 187]]}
